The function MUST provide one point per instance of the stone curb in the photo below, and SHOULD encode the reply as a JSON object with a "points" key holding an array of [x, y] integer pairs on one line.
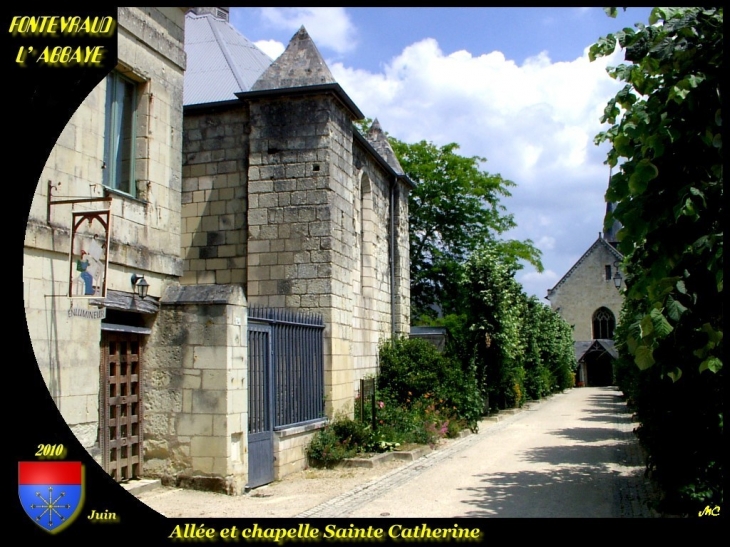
{"points": [[139, 486], [410, 455]]}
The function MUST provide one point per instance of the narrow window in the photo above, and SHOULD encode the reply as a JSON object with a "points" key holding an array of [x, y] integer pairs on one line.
{"points": [[608, 272], [119, 134]]}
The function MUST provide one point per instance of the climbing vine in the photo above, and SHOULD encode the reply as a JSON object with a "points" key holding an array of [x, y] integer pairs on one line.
{"points": [[665, 132]]}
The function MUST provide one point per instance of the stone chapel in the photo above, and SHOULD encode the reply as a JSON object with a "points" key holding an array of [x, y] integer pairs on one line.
{"points": [[588, 297]]}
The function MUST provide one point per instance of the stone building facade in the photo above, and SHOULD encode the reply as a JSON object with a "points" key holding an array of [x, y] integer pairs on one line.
{"points": [[285, 199], [123, 144], [259, 192], [588, 299]]}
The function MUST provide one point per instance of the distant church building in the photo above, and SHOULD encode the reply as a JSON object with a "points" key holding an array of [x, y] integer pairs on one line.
{"points": [[589, 299]]}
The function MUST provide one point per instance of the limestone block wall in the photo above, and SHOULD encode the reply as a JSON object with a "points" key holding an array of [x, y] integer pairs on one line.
{"points": [[370, 276], [145, 230], [214, 197], [402, 262], [338, 357], [66, 346], [300, 221], [586, 290], [290, 448], [196, 389]]}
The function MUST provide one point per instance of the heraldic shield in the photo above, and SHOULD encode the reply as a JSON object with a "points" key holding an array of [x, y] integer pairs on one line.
{"points": [[51, 493]]}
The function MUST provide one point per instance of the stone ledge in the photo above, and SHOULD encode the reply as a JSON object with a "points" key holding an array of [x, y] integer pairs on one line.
{"points": [[371, 462], [298, 430], [141, 485], [406, 455], [411, 455]]}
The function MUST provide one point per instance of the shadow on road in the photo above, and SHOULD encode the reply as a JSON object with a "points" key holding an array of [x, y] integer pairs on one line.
{"points": [[581, 475], [536, 494], [587, 434]]}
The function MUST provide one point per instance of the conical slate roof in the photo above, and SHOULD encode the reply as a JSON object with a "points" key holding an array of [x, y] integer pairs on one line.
{"points": [[377, 138], [220, 61], [300, 65]]}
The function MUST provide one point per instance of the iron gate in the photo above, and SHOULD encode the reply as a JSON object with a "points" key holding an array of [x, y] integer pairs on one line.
{"points": [[121, 408], [260, 400], [286, 380]]}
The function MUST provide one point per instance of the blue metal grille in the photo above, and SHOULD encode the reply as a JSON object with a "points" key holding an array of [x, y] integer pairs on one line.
{"points": [[298, 359]]}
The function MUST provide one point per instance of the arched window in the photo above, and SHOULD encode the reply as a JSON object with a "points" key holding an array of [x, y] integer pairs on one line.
{"points": [[603, 324]]}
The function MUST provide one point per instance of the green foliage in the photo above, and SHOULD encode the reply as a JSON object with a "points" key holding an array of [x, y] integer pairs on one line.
{"points": [[422, 396], [346, 438], [336, 441], [413, 370], [422, 420], [522, 348], [667, 147], [454, 207], [549, 356], [352, 433]]}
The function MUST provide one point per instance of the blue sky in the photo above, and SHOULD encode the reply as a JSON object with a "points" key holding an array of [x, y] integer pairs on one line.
{"points": [[513, 85]]}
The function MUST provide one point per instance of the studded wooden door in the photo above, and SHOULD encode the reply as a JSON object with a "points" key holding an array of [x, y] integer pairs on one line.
{"points": [[121, 405]]}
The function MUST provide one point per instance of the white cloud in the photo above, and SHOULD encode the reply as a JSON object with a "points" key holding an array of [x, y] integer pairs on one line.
{"points": [[272, 48], [329, 27], [534, 122], [546, 242], [537, 284]]}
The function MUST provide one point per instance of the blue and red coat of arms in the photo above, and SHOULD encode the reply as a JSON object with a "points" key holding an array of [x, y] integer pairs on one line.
{"points": [[51, 493]]}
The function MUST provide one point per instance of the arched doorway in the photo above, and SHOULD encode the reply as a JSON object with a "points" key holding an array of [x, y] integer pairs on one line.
{"points": [[595, 365]]}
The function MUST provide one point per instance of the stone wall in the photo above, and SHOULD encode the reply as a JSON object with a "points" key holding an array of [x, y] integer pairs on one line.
{"points": [[276, 191], [214, 197], [301, 221], [290, 447], [196, 389], [586, 290], [375, 255]]}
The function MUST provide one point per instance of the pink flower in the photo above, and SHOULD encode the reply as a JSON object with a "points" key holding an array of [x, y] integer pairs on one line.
{"points": [[381, 404]]}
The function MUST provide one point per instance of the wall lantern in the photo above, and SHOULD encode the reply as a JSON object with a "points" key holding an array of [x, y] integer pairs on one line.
{"points": [[617, 278], [140, 285]]}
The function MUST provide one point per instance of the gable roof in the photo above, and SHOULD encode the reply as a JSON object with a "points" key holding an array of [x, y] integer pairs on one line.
{"points": [[600, 345], [220, 60], [599, 242]]}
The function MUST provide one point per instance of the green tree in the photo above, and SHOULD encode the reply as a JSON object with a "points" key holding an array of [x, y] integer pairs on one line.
{"points": [[667, 147], [454, 208], [496, 308], [549, 355], [521, 348]]}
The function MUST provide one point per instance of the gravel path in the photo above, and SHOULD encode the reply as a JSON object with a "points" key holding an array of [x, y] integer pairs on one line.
{"points": [[572, 455]]}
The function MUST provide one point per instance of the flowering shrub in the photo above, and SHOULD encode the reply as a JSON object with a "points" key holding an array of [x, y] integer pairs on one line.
{"points": [[421, 397], [327, 450], [412, 369]]}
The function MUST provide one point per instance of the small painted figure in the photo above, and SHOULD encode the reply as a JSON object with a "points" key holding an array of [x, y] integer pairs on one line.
{"points": [[82, 265]]}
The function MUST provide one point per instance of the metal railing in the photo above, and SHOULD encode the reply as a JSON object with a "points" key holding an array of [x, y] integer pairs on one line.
{"points": [[298, 364]]}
